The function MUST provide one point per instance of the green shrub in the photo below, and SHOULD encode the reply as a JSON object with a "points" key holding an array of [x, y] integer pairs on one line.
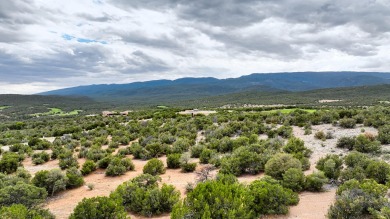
{"points": [[19, 211], [348, 123], [271, 198], [142, 195], [40, 158], [379, 171], [75, 178], [104, 162], [9, 162], [366, 145], [280, 163], [358, 200], [206, 155], [349, 173], [53, 181], [207, 198], [119, 166], [320, 135], [355, 159], [188, 167], [346, 142], [315, 181], [331, 165], [196, 150], [99, 208], [154, 167], [67, 160], [173, 161], [246, 159], [294, 179], [22, 193], [384, 134], [88, 167]]}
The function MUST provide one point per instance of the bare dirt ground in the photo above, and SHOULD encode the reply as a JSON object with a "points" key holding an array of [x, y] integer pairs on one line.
{"points": [[196, 112], [62, 205], [311, 205]]}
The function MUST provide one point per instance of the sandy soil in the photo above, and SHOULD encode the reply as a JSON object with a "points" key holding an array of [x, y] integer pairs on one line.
{"points": [[322, 148], [328, 101], [311, 206], [62, 205], [196, 112]]}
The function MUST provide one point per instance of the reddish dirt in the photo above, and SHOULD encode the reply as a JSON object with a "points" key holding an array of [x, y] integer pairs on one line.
{"points": [[311, 206], [62, 205]]}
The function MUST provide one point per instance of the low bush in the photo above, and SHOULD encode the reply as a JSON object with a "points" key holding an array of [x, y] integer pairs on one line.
{"points": [[88, 167], [280, 163], [142, 195], [99, 208], [173, 161], [119, 166], [154, 167], [315, 181], [40, 158]]}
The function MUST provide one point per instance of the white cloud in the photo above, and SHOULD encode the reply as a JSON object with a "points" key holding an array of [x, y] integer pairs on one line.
{"points": [[118, 41]]}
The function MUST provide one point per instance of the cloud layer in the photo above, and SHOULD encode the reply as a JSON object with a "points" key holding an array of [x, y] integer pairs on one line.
{"points": [[46, 45]]}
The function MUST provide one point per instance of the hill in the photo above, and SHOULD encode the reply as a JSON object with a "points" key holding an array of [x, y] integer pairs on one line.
{"points": [[13, 106], [192, 88], [345, 96]]}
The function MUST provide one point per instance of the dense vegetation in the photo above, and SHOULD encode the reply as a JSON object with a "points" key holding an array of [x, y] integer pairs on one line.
{"points": [[229, 143]]}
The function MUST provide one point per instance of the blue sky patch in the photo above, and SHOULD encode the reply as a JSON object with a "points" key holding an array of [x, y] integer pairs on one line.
{"points": [[82, 40]]}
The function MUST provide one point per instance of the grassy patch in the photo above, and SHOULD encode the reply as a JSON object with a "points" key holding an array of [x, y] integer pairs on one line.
{"points": [[4, 107], [287, 111], [57, 112]]}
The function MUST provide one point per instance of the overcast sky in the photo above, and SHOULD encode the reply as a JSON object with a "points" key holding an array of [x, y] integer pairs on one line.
{"points": [[46, 45]]}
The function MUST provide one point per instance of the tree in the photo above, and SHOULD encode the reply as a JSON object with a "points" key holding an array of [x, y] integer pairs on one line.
{"points": [[99, 208], [280, 163], [154, 167]]}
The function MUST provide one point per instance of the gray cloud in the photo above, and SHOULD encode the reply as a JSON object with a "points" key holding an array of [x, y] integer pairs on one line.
{"points": [[143, 39]]}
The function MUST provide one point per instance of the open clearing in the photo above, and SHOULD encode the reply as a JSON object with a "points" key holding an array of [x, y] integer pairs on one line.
{"points": [[287, 111], [57, 112]]}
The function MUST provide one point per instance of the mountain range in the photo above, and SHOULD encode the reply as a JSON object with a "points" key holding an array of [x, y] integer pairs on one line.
{"points": [[192, 88]]}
